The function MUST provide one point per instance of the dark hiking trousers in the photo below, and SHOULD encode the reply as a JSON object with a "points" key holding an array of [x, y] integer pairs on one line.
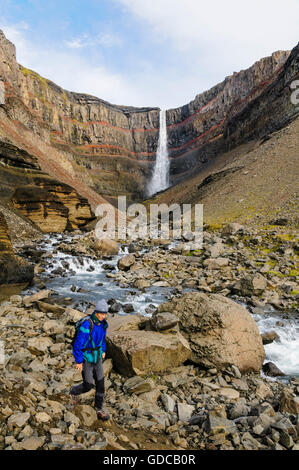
{"points": [[92, 374]]}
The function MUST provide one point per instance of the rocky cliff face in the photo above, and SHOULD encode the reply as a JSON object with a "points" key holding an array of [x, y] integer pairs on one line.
{"points": [[53, 206], [100, 148], [203, 128], [13, 269], [106, 147]]}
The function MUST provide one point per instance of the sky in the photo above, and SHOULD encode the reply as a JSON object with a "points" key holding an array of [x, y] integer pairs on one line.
{"points": [[146, 52]]}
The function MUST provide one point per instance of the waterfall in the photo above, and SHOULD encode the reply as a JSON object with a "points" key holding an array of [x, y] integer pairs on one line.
{"points": [[160, 177]]}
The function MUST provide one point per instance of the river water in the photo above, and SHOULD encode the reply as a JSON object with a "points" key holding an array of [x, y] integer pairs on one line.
{"points": [[90, 275]]}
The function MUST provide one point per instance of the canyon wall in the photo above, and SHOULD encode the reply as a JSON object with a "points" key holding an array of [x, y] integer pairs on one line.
{"points": [[222, 117], [104, 150]]}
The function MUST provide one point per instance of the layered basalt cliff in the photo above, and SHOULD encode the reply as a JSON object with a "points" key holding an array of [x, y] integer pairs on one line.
{"points": [[107, 150], [53, 206], [203, 128], [101, 146]]}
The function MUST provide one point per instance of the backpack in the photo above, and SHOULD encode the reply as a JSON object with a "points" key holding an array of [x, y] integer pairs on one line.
{"points": [[91, 324], [78, 326]]}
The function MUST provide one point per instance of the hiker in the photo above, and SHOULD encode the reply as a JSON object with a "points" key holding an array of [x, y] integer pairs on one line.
{"points": [[89, 351]]}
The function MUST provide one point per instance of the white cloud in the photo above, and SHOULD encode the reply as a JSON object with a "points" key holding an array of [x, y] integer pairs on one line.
{"points": [[104, 40], [231, 31], [206, 40]]}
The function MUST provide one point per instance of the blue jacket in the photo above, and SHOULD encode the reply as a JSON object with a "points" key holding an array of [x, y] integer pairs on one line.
{"points": [[98, 335]]}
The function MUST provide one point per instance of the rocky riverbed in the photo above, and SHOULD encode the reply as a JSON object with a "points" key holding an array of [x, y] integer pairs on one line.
{"points": [[179, 316]]}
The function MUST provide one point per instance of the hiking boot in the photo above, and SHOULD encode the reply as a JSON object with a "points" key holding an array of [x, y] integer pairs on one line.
{"points": [[103, 415]]}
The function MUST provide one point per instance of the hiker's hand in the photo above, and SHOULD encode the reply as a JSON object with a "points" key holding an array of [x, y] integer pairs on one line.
{"points": [[79, 367], [103, 355]]}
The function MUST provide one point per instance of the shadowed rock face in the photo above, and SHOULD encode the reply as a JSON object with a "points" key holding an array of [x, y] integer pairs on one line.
{"points": [[112, 148], [13, 269], [50, 204]]}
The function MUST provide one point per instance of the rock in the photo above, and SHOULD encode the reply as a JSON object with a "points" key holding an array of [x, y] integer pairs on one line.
{"points": [[27, 431], [21, 357], [107, 366], [128, 308], [32, 443], [263, 391], [13, 269], [216, 263], [284, 424], [114, 307], [42, 418], [50, 308], [141, 284], [216, 425], [220, 332], [216, 250], [185, 412], [238, 409], [254, 284], [249, 442], [168, 402], [87, 415], [163, 321], [240, 385], [289, 404], [272, 370], [39, 346], [269, 337], [70, 418], [136, 352], [18, 419], [263, 423], [281, 222], [57, 349], [30, 299], [16, 300], [236, 371], [125, 262], [74, 315], [52, 327], [286, 440], [150, 397], [106, 247], [229, 393], [138, 385], [56, 409], [231, 229], [161, 284]]}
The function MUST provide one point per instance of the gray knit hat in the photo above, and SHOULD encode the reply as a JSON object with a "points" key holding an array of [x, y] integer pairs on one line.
{"points": [[102, 306]]}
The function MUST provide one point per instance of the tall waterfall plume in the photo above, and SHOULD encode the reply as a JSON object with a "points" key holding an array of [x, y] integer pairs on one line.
{"points": [[160, 177]]}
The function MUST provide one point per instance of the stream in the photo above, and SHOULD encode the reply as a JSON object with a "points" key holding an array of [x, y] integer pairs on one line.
{"points": [[89, 276]]}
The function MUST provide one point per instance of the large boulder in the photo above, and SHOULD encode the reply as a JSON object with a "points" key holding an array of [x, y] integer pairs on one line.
{"points": [[220, 332], [137, 352], [126, 262], [104, 247]]}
